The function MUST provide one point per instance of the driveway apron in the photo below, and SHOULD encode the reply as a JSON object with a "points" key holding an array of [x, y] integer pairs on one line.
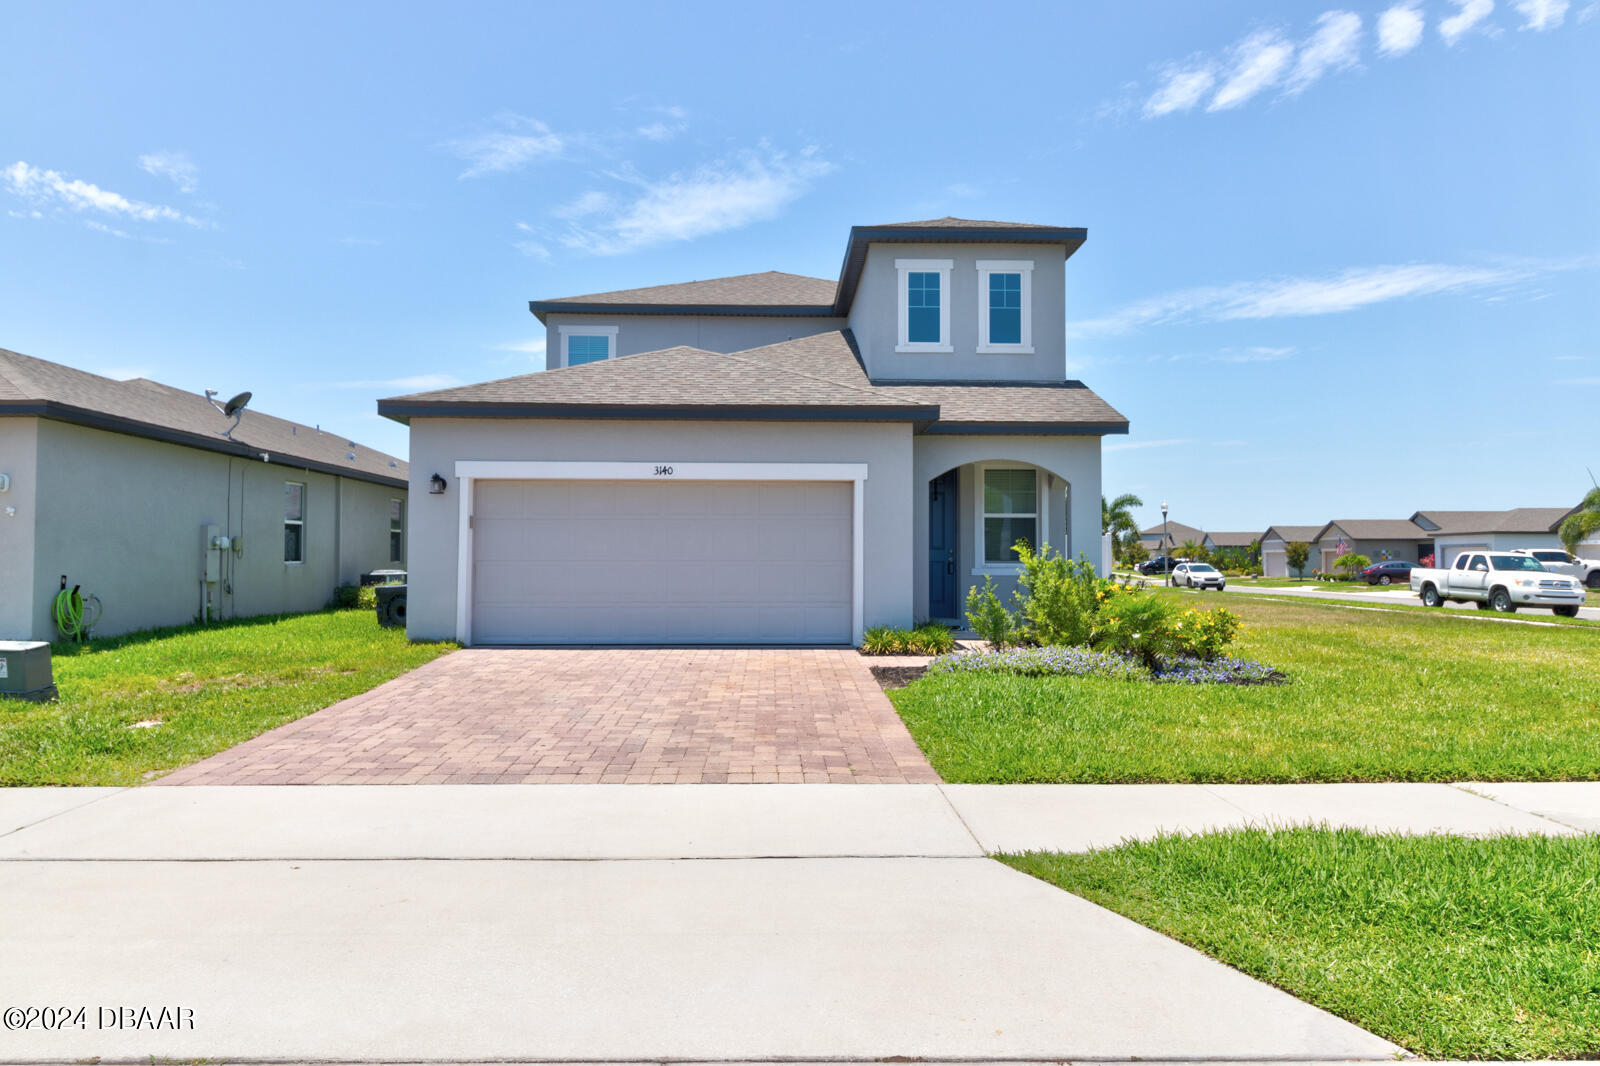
{"points": [[594, 715]]}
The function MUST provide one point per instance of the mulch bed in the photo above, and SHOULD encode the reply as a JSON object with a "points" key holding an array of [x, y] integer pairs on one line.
{"points": [[889, 677]]}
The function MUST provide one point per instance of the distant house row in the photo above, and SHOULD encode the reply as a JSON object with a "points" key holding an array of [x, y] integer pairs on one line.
{"points": [[1442, 534]]}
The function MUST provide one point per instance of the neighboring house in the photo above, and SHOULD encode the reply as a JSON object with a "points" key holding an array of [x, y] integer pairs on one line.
{"points": [[766, 458], [1274, 547], [118, 486], [1376, 538], [1235, 539], [1454, 532], [1177, 534], [1442, 534]]}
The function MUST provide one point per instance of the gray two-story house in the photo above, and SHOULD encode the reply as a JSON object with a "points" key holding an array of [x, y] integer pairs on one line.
{"points": [[764, 459]]}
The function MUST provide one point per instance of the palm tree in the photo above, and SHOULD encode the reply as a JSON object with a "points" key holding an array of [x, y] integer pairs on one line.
{"points": [[1581, 523], [1116, 518], [1190, 549]]}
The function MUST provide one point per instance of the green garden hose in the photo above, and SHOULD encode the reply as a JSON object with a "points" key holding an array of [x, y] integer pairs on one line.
{"points": [[69, 614]]}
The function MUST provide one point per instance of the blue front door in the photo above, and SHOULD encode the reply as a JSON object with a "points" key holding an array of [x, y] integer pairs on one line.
{"points": [[942, 546]]}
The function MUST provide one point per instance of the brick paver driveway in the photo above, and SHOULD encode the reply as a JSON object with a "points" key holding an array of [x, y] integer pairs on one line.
{"points": [[528, 715]]}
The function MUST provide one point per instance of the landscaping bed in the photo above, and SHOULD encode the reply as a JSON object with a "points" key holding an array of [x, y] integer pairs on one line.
{"points": [[1371, 696], [136, 706], [1450, 947]]}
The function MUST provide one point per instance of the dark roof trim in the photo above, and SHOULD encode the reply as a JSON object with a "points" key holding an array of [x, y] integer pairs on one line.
{"points": [[540, 308], [1036, 429], [403, 412], [855, 252], [60, 412]]}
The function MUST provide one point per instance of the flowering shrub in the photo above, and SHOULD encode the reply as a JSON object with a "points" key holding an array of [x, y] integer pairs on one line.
{"points": [[1082, 662], [1139, 625], [1058, 597], [1204, 634], [1426, 560], [1042, 662]]}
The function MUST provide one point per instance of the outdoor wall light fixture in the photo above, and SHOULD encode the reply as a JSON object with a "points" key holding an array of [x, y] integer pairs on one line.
{"points": [[436, 485]]}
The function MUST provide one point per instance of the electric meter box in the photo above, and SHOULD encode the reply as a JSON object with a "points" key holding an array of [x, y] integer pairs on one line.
{"points": [[25, 670]]}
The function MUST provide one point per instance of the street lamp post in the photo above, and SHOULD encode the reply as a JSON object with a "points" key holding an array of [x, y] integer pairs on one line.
{"points": [[1166, 542]]}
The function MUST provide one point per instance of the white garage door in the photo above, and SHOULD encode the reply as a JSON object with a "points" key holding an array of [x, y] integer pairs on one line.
{"points": [[645, 562]]}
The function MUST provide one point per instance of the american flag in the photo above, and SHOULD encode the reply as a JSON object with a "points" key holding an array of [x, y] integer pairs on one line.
{"points": [[1341, 547]]}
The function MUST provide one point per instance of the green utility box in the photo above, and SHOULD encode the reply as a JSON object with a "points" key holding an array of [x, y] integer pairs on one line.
{"points": [[25, 670]]}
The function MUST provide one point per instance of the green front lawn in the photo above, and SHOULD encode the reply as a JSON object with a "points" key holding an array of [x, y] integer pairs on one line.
{"points": [[1449, 947], [205, 688], [1388, 695]]}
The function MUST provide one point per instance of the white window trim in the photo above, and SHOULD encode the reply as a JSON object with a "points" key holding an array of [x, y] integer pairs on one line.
{"points": [[470, 471], [301, 522], [1040, 500], [1005, 266], [942, 267], [587, 331]]}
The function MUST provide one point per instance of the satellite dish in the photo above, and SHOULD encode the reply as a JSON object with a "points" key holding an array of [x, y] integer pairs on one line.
{"points": [[233, 409], [237, 404]]}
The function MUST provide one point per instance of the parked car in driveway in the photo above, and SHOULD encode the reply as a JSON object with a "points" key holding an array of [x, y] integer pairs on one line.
{"points": [[1198, 576], [1498, 580], [1161, 564], [1388, 572], [1559, 562]]}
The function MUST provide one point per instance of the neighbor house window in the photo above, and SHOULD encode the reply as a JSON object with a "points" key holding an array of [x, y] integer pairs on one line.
{"points": [[1010, 513], [294, 522], [924, 297], [587, 344], [1005, 305], [397, 530]]}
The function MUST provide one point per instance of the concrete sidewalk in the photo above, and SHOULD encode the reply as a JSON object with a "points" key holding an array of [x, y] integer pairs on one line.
{"points": [[634, 923]]}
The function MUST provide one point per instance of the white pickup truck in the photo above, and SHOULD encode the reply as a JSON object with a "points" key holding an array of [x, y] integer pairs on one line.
{"points": [[1500, 581]]}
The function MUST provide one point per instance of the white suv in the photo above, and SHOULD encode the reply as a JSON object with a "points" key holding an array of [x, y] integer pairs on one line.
{"points": [[1559, 562]]}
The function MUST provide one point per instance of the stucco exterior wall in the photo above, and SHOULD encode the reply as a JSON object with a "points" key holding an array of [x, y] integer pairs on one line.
{"points": [[364, 529], [123, 517], [875, 315], [712, 333], [1073, 499], [18, 517], [436, 444]]}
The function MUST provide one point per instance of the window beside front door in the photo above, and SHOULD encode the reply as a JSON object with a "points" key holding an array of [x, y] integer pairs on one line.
{"points": [[924, 299], [1010, 513], [1005, 306], [294, 522]]}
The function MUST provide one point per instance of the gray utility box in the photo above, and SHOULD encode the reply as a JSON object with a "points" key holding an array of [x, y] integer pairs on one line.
{"points": [[25, 670]]}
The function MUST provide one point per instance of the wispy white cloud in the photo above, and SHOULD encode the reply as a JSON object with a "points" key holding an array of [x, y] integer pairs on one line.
{"points": [[749, 187], [1181, 89], [533, 347], [415, 383], [1258, 62], [1400, 29], [515, 142], [1541, 14], [1133, 445], [1254, 355], [661, 131], [177, 167], [1299, 297], [1335, 46], [1469, 13], [50, 189]]}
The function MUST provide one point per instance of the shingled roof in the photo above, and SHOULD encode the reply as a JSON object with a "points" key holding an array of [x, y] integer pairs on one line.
{"points": [[1515, 520], [771, 292], [819, 377], [1377, 529], [144, 408], [777, 293]]}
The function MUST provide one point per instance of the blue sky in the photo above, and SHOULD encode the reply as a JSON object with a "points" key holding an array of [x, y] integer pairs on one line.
{"points": [[1342, 261]]}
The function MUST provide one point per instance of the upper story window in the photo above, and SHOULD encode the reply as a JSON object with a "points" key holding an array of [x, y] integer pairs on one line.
{"points": [[924, 297], [1005, 306], [587, 344]]}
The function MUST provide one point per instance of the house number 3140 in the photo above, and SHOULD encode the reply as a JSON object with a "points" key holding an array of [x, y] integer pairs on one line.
{"points": [[663, 471]]}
